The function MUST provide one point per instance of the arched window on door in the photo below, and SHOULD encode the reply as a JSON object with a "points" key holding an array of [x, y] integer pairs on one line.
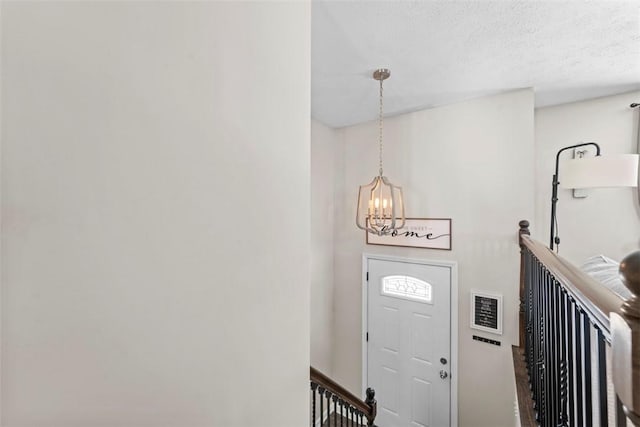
{"points": [[407, 287]]}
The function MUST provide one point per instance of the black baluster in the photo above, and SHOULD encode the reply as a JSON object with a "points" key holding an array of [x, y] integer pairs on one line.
{"points": [[563, 358], [545, 351], [527, 310], [556, 355], [570, 371], [535, 330], [602, 379], [546, 365], [536, 365], [328, 394], [314, 387], [551, 356], [559, 353], [321, 395], [335, 410], [341, 412], [542, 345], [578, 365], [586, 330], [550, 365], [530, 318], [553, 351], [539, 355], [533, 365]]}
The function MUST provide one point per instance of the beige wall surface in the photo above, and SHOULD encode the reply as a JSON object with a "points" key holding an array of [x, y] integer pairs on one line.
{"points": [[471, 162], [608, 220], [155, 205], [326, 168]]}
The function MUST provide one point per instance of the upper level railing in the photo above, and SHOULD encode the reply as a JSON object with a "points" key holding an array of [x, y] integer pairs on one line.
{"points": [[581, 340], [596, 299], [334, 405]]}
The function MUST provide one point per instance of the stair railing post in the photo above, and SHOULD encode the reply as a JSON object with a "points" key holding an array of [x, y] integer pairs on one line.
{"points": [[625, 341], [373, 405]]}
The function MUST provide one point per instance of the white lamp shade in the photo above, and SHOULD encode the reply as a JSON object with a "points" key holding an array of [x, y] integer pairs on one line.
{"points": [[600, 171]]}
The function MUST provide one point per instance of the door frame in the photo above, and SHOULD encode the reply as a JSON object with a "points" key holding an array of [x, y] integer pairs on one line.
{"points": [[453, 313]]}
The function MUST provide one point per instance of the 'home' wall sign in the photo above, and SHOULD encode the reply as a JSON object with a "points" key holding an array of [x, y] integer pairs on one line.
{"points": [[429, 233]]}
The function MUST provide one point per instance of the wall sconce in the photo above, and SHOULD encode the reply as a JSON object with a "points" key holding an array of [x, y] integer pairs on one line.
{"points": [[592, 172]]}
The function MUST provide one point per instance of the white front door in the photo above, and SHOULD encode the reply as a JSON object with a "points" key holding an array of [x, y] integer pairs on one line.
{"points": [[409, 342]]}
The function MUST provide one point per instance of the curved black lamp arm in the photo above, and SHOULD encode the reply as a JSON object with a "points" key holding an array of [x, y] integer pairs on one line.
{"points": [[554, 191]]}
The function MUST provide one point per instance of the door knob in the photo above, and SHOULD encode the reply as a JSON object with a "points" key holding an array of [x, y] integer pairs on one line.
{"points": [[443, 374]]}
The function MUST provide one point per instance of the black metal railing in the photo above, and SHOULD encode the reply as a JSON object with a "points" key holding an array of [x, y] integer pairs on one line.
{"points": [[559, 353], [332, 405], [566, 333]]}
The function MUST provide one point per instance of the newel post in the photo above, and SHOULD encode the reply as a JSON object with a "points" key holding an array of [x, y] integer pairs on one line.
{"points": [[625, 340], [524, 231], [371, 401]]}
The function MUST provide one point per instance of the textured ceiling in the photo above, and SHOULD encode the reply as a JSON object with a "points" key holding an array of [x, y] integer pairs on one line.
{"points": [[441, 52]]}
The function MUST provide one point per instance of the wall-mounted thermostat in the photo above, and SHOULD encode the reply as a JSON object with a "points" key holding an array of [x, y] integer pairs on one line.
{"points": [[486, 312]]}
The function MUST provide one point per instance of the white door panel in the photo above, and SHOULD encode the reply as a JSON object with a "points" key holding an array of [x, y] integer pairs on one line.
{"points": [[409, 331]]}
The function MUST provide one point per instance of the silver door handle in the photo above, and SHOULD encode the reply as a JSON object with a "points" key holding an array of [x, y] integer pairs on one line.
{"points": [[443, 374]]}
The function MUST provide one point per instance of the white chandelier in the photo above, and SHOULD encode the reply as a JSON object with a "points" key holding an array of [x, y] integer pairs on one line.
{"points": [[380, 203]]}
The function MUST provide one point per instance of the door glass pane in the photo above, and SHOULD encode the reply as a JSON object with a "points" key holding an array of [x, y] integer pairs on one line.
{"points": [[407, 287]]}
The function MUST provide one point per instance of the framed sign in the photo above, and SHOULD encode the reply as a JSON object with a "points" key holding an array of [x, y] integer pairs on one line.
{"points": [[430, 233], [486, 312]]}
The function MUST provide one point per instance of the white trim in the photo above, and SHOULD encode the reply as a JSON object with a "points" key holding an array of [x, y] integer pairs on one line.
{"points": [[365, 292], [453, 313], [454, 344]]}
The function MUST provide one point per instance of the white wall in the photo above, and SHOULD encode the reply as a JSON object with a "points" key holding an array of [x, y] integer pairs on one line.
{"points": [[326, 169], [608, 220], [472, 162], [155, 205]]}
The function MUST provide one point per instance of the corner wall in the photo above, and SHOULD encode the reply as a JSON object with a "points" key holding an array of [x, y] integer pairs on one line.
{"points": [[155, 214], [326, 170], [608, 221], [472, 162]]}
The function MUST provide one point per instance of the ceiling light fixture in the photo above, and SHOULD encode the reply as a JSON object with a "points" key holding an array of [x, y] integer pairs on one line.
{"points": [[380, 203]]}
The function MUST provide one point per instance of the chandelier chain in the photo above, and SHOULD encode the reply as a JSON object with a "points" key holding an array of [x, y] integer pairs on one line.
{"points": [[380, 127]]}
